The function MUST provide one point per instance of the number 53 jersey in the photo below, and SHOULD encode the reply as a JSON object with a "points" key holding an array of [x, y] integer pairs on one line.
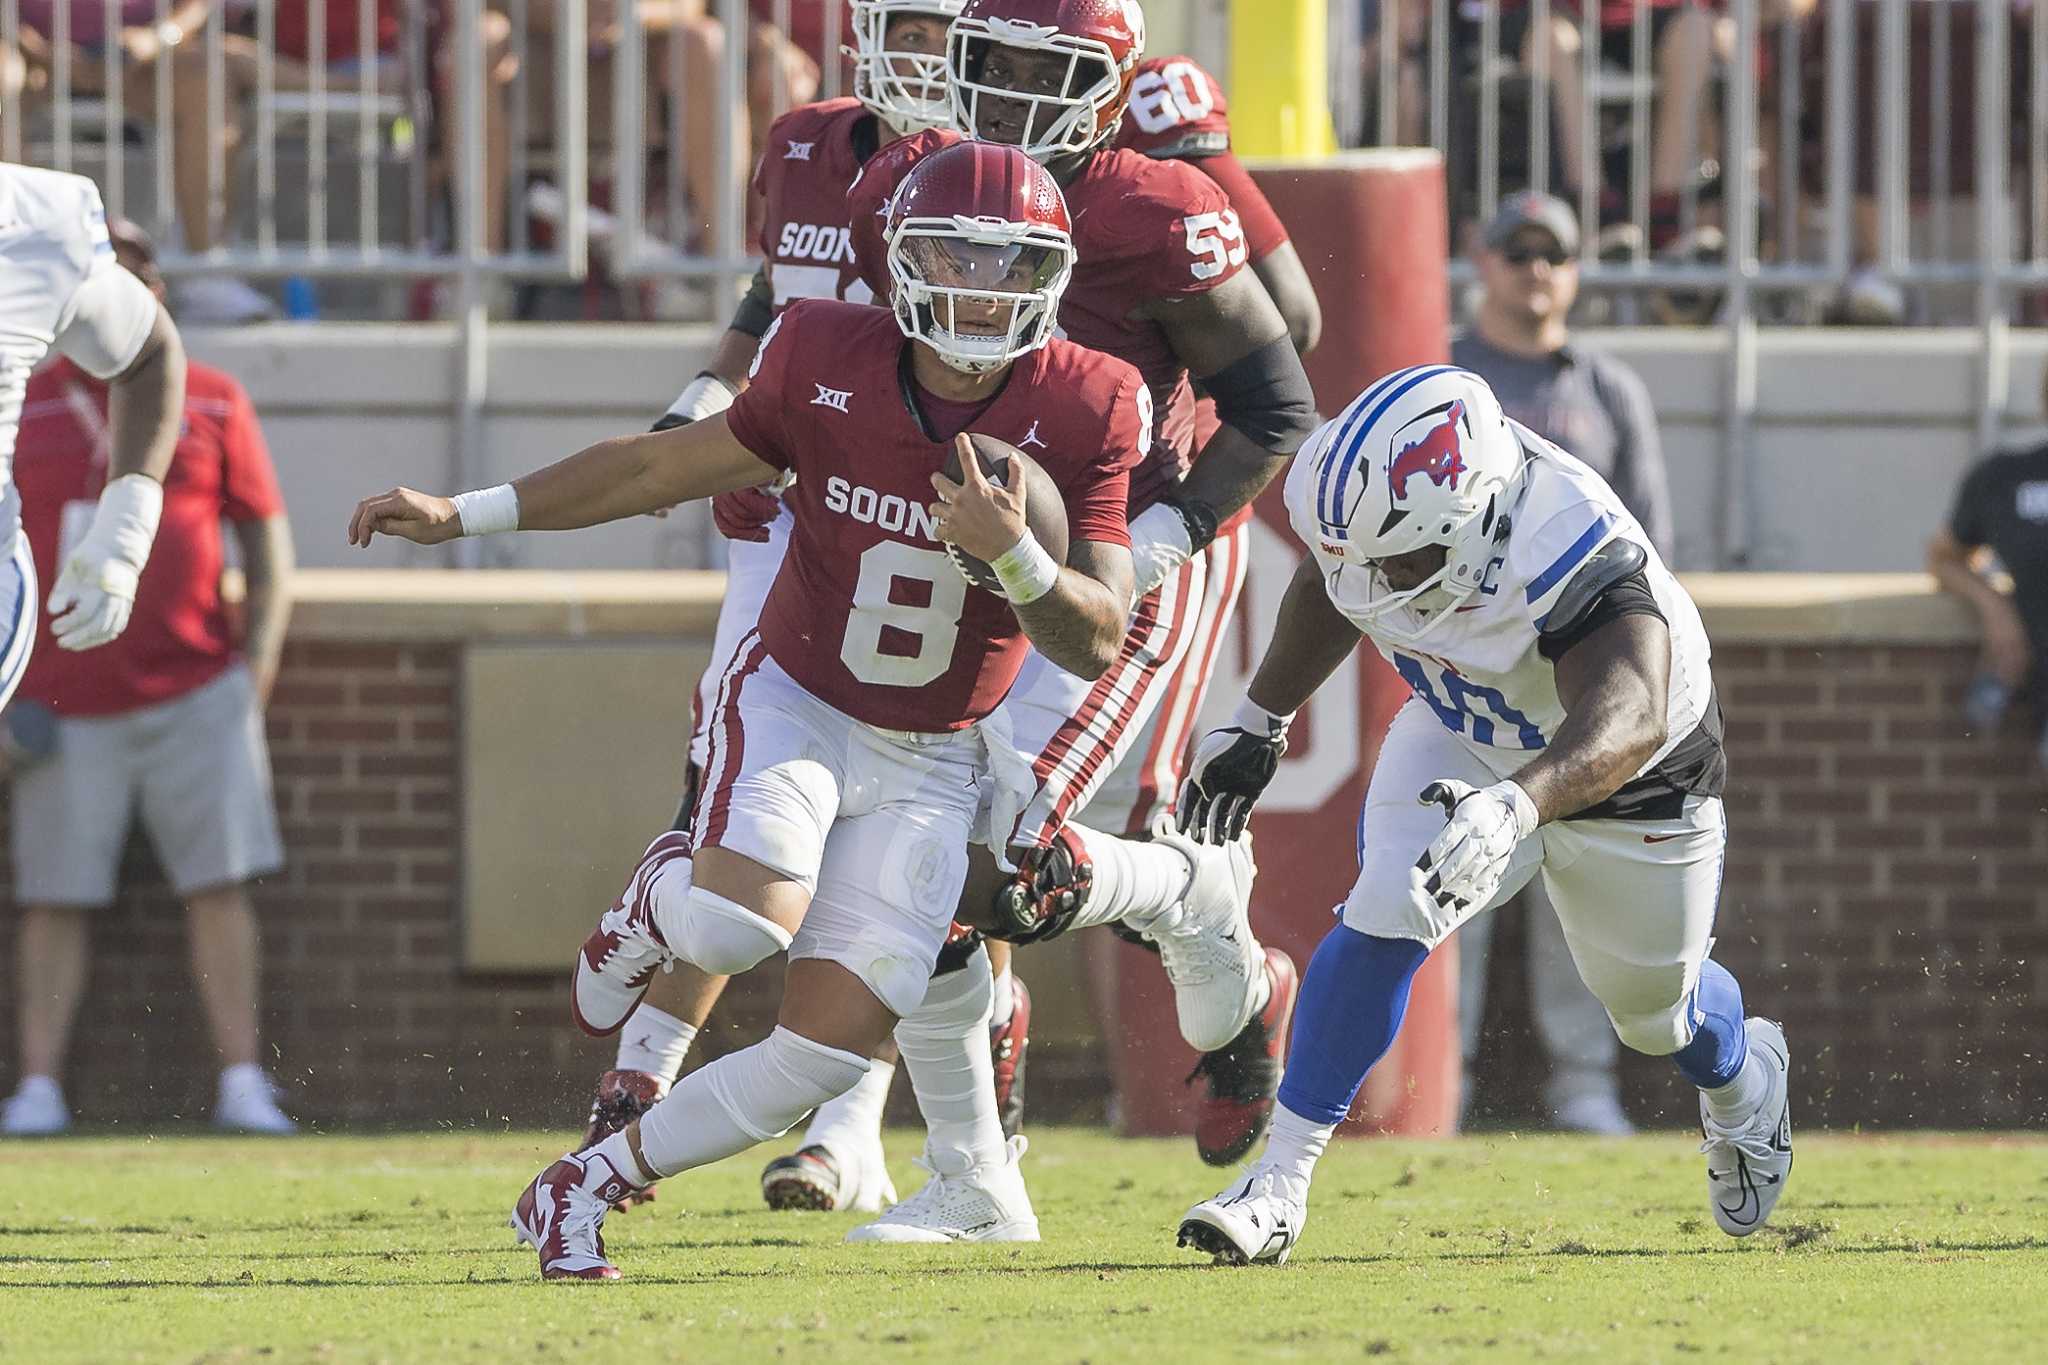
{"points": [[868, 613], [1489, 672]]}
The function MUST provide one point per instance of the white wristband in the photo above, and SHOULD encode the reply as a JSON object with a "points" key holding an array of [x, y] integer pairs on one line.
{"points": [[705, 396], [485, 511], [1026, 571], [124, 524], [1255, 719]]}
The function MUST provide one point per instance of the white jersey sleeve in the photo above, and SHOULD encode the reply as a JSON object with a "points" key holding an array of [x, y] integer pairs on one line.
{"points": [[108, 316]]}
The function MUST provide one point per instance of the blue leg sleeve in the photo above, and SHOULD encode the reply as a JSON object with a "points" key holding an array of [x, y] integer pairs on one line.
{"points": [[1352, 1001], [1720, 1045]]}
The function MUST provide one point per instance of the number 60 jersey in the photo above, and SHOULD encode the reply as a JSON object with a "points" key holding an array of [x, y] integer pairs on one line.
{"points": [[868, 613]]}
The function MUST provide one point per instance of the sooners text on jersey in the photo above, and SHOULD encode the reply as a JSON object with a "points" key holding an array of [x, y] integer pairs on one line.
{"points": [[811, 157], [868, 614]]}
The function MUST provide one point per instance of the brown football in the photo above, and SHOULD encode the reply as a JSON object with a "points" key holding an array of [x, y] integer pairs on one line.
{"points": [[1044, 510]]}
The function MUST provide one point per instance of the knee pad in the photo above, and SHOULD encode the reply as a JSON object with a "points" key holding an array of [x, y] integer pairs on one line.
{"points": [[1658, 1034], [957, 1001], [723, 937], [1050, 888], [779, 1080]]}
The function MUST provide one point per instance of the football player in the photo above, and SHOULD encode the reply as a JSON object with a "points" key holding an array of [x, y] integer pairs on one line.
{"points": [[61, 289], [812, 154], [1563, 722], [857, 745]]}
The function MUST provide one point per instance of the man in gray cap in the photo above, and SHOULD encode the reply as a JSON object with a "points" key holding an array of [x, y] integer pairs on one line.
{"points": [[1597, 408]]}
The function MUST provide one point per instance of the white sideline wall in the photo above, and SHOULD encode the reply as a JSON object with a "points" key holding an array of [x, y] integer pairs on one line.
{"points": [[1859, 439]]}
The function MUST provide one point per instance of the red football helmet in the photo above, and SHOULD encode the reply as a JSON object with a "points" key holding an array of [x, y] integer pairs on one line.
{"points": [[1049, 76], [980, 250]]}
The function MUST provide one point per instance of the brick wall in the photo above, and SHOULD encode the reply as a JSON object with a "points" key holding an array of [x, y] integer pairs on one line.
{"points": [[1887, 896]]}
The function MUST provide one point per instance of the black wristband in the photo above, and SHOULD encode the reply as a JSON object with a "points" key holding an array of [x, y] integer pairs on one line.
{"points": [[1198, 516]]}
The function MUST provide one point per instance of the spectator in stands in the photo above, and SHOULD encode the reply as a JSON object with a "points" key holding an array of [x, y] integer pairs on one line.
{"points": [[169, 718], [2001, 511], [1599, 410]]}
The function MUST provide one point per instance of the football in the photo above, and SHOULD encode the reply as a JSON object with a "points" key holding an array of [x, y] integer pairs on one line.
{"points": [[1044, 510]]}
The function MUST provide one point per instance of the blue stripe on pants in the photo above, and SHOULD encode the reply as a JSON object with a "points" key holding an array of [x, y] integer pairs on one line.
{"points": [[17, 616]]}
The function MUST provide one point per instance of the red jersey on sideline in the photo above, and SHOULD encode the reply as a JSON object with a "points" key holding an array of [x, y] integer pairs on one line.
{"points": [[178, 638], [869, 614]]}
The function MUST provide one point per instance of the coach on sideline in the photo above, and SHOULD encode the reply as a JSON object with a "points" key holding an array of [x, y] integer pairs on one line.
{"points": [[1599, 409], [168, 719]]}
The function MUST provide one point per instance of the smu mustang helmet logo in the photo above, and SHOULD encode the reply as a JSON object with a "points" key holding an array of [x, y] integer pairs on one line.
{"points": [[1437, 454]]}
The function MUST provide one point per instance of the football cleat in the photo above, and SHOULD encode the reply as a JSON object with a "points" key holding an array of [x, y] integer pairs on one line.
{"points": [[1255, 1222], [814, 1178], [35, 1109], [622, 954], [621, 1097], [561, 1216], [1747, 1165], [1006, 1044], [1245, 1075], [1208, 949], [964, 1201], [247, 1103]]}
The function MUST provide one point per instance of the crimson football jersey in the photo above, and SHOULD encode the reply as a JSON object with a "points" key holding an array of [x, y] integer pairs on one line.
{"points": [[869, 614], [812, 154], [1143, 230]]}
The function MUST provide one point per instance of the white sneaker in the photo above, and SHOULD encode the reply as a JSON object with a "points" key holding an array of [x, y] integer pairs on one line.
{"points": [[35, 1109], [962, 1202], [1208, 948], [248, 1103], [821, 1177], [1599, 1114], [1747, 1165], [619, 959], [1255, 1222], [222, 301]]}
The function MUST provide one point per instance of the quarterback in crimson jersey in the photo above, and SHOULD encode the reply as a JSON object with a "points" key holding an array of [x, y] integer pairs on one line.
{"points": [[858, 744]]}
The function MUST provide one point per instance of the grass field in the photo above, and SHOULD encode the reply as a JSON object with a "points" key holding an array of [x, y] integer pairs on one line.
{"points": [[1501, 1247]]}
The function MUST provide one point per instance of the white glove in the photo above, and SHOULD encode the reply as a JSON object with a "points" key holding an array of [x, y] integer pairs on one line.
{"points": [[96, 587], [1464, 864], [1159, 546]]}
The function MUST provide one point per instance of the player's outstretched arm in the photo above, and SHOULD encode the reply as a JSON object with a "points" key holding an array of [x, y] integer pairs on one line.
{"points": [[613, 479], [1614, 685]]}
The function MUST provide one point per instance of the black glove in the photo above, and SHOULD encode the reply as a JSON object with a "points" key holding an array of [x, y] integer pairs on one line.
{"points": [[1230, 769]]}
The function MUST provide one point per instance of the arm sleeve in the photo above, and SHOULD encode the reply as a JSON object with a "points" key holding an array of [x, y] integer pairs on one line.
{"points": [[1969, 521], [249, 490], [109, 316], [758, 418], [1640, 480], [1630, 596]]}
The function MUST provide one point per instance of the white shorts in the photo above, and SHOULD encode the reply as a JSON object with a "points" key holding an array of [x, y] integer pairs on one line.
{"points": [[750, 570], [874, 823], [18, 594], [1636, 898], [1076, 734], [196, 765]]}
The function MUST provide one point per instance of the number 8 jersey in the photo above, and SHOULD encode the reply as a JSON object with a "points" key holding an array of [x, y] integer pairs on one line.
{"points": [[868, 613]]}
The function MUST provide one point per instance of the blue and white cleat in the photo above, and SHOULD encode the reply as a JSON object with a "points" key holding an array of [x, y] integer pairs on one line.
{"points": [[1747, 1166], [1254, 1222]]}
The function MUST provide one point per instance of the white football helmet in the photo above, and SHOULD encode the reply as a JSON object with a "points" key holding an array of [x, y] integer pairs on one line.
{"points": [[1424, 456], [906, 90]]}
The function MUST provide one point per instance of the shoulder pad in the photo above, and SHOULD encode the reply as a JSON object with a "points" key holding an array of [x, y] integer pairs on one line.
{"points": [[1606, 566]]}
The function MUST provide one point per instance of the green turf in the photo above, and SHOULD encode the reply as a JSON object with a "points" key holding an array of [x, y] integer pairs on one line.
{"points": [[1502, 1247]]}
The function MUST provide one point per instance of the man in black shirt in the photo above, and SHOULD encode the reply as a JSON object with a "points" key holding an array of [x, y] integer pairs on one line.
{"points": [[2001, 510]]}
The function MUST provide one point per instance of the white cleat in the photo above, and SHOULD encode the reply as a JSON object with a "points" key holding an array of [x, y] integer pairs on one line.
{"points": [[35, 1109], [822, 1178], [1255, 1222], [1208, 948], [962, 1202], [248, 1104], [1747, 1166], [620, 957], [1600, 1115]]}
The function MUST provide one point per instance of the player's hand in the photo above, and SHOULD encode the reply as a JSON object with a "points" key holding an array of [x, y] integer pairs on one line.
{"points": [[979, 515], [95, 590], [1464, 864], [745, 514], [1228, 773], [1159, 546], [420, 518]]}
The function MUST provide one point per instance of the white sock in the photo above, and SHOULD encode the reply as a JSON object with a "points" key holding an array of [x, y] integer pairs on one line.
{"points": [[853, 1121], [1294, 1146], [656, 1042], [242, 1075], [619, 1152], [1005, 1003], [945, 1049], [743, 1098], [39, 1082], [1735, 1103], [1136, 881]]}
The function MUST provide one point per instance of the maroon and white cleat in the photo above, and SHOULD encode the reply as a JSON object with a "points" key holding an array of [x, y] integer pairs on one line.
{"points": [[623, 953], [621, 1097], [1006, 1044], [561, 1216], [1244, 1074]]}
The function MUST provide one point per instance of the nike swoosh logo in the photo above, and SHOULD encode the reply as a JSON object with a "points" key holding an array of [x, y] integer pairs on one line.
{"points": [[1660, 838]]}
